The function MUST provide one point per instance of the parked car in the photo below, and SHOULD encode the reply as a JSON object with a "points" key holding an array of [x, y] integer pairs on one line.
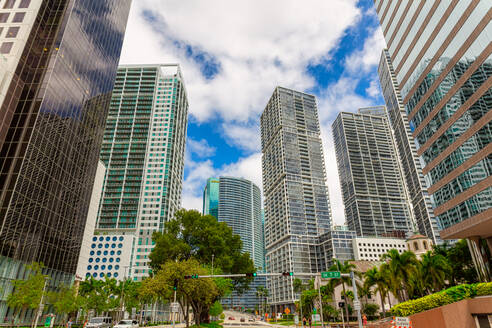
{"points": [[100, 322], [251, 319], [127, 323], [232, 318], [242, 320]]}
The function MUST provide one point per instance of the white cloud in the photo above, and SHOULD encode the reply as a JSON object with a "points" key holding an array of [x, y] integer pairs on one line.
{"points": [[199, 148], [374, 88], [364, 60], [257, 44], [245, 136]]}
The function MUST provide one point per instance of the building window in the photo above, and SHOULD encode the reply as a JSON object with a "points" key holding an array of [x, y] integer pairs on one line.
{"points": [[4, 17], [18, 17], [425, 244], [9, 4], [416, 245], [6, 47], [25, 3]]}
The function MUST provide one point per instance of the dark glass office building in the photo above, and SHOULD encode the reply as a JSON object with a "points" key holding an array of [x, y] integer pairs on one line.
{"points": [[53, 106]]}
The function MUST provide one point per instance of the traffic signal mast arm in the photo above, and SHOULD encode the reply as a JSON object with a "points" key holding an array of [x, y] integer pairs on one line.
{"points": [[273, 274]]}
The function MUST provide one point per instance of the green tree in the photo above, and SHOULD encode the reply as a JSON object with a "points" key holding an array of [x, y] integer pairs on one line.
{"points": [[402, 267], [460, 262], [28, 292], [377, 279], [101, 295], [345, 267], [435, 269], [262, 294], [66, 300], [216, 309]]}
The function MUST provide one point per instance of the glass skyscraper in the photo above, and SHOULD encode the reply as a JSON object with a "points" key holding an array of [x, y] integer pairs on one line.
{"points": [[237, 202], [143, 151], [297, 206], [373, 192], [58, 62], [442, 59], [422, 210]]}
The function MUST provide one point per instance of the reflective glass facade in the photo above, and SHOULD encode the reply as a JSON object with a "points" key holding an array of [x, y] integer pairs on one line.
{"points": [[211, 198], [56, 108], [53, 105], [297, 207], [143, 150], [373, 191], [422, 212], [442, 56]]}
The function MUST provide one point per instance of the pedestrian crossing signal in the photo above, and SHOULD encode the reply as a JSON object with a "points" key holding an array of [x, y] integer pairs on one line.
{"points": [[251, 274], [193, 276], [287, 273]]}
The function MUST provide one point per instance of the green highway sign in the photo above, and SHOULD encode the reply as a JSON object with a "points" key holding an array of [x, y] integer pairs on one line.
{"points": [[330, 274]]}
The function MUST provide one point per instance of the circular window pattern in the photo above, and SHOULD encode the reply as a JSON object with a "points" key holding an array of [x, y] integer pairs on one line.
{"points": [[100, 246], [94, 274], [101, 275], [111, 260], [108, 238], [104, 260], [110, 267], [93, 245], [109, 274], [98, 259], [120, 245], [96, 267], [91, 260], [87, 275], [103, 267], [113, 245], [121, 238], [101, 238], [116, 267], [105, 252], [111, 253], [94, 238], [91, 253], [114, 238], [118, 259], [116, 274], [106, 245], [118, 253], [98, 253], [89, 267]]}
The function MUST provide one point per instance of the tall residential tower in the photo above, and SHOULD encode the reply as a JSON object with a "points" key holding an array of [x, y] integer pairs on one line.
{"points": [[441, 54], [423, 213], [372, 186], [297, 207], [143, 150]]}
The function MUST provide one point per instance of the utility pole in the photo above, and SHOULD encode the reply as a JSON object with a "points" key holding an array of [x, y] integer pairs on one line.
{"points": [[41, 304], [356, 298], [320, 302]]}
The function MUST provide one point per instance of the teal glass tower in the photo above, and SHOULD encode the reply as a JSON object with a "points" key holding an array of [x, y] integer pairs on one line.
{"points": [[237, 202], [143, 150]]}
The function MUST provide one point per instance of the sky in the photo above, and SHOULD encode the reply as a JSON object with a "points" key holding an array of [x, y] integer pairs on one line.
{"points": [[234, 53]]}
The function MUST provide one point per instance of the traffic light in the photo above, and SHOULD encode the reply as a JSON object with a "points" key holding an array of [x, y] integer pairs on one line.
{"points": [[175, 287], [288, 274], [193, 276], [251, 274]]}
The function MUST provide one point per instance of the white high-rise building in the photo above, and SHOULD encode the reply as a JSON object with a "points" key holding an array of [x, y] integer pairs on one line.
{"points": [[297, 206], [143, 150]]}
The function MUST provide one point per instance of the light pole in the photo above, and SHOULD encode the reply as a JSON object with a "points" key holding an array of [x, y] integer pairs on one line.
{"points": [[41, 305], [123, 293], [213, 255], [356, 298], [344, 293]]}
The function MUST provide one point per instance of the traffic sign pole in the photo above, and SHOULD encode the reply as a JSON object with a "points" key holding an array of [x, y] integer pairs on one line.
{"points": [[356, 298]]}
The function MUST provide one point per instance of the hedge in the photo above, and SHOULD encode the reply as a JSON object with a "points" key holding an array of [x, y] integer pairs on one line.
{"points": [[444, 297]]}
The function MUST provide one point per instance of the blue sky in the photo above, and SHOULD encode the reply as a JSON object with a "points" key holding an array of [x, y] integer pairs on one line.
{"points": [[234, 53]]}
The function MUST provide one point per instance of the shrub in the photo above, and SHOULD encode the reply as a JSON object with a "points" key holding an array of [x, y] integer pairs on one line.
{"points": [[370, 309], [444, 297]]}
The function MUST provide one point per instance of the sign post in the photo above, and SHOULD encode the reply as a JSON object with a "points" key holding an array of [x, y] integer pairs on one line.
{"points": [[331, 274], [402, 322]]}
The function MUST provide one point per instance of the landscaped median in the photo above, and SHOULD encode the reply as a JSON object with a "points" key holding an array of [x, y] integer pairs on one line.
{"points": [[444, 297]]}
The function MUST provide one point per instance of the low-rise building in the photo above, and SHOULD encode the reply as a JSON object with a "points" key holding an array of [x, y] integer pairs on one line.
{"points": [[371, 249], [419, 244]]}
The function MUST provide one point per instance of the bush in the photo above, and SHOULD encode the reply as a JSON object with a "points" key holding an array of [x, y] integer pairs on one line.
{"points": [[444, 297], [222, 316], [370, 309], [288, 316]]}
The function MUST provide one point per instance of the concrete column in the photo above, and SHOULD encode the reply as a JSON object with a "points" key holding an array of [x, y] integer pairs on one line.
{"points": [[489, 243], [478, 259]]}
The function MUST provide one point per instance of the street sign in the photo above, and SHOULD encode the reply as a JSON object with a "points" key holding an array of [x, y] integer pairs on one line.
{"points": [[403, 322], [296, 320], [287, 311], [357, 305], [330, 274], [175, 307]]}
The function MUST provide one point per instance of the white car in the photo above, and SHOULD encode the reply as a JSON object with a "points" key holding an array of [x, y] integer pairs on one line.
{"points": [[127, 323]]}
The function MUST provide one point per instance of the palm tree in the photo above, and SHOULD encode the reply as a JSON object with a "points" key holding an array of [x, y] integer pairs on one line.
{"points": [[435, 268], [262, 293], [374, 277], [346, 267], [299, 288], [416, 284], [402, 267]]}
